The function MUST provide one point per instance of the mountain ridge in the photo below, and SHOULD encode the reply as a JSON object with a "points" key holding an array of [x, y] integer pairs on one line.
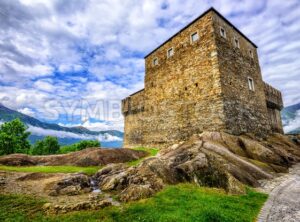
{"points": [[7, 114], [65, 135]]}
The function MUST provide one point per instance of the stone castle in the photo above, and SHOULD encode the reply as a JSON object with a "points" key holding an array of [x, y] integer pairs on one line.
{"points": [[206, 77]]}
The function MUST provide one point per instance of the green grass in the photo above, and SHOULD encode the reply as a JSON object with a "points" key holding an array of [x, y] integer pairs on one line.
{"points": [[180, 203], [150, 151], [19, 208], [73, 169], [52, 169]]}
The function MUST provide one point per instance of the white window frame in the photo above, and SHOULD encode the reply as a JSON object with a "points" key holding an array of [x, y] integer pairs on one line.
{"points": [[251, 84], [170, 55], [221, 33], [155, 61], [236, 42], [251, 53], [194, 33]]}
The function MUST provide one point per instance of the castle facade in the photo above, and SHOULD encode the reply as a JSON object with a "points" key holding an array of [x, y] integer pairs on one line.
{"points": [[206, 77]]}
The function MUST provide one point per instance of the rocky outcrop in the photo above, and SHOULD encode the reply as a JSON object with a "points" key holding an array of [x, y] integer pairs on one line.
{"points": [[209, 159], [73, 184], [295, 138], [86, 157]]}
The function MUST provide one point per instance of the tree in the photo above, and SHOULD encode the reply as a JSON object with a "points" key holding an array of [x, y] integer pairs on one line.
{"points": [[87, 143], [38, 148], [49, 145], [80, 146], [13, 138]]}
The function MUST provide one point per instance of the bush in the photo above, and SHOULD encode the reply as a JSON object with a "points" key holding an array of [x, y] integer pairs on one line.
{"points": [[13, 138], [49, 145], [79, 146]]}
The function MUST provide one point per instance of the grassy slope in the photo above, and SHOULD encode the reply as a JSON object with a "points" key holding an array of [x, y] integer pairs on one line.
{"points": [[151, 151], [180, 203], [52, 169], [72, 169]]}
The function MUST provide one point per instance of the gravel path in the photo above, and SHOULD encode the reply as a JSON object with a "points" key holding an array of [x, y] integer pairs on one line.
{"points": [[283, 204]]}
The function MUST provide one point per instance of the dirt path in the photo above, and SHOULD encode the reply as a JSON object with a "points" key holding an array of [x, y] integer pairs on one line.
{"points": [[283, 204]]}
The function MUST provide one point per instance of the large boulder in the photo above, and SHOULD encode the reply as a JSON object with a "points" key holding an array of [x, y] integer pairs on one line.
{"points": [[210, 159], [136, 192], [112, 177], [73, 184], [257, 151]]}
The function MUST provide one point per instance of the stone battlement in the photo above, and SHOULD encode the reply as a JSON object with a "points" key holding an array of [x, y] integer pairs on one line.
{"points": [[273, 97], [134, 103]]}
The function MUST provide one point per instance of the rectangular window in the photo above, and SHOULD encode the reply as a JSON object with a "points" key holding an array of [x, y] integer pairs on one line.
{"points": [[155, 61], [170, 52], [223, 32], [194, 37], [251, 54], [251, 84], [236, 42]]}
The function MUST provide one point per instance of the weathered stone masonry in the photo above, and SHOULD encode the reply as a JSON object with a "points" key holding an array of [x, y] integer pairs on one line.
{"points": [[205, 77]]}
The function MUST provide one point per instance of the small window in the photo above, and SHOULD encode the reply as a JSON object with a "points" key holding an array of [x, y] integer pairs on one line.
{"points": [[155, 61], [194, 37], [223, 32], [251, 53], [170, 52], [251, 84], [236, 42]]}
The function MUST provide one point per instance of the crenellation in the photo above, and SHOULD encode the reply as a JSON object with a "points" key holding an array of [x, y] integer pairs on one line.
{"points": [[273, 96]]}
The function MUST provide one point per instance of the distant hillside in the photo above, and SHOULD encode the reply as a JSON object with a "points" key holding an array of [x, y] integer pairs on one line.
{"points": [[291, 119], [66, 135]]}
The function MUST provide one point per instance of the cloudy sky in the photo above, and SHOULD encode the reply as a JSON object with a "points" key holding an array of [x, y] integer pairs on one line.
{"points": [[60, 57]]}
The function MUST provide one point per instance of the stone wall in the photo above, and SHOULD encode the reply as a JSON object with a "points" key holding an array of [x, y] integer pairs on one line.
{"points": [[183, 91], [133, 108], [245, 109], [274, 105]]}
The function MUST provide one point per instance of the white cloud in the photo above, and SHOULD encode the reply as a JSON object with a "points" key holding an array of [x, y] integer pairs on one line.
{"points": [[27, 111], [61, 134], [293, 124], [44, 85], [99, 126], [61, 52], [108, 138]]}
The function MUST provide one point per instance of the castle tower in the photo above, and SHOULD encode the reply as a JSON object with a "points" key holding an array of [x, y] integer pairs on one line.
{"points": [[204, 78]]}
